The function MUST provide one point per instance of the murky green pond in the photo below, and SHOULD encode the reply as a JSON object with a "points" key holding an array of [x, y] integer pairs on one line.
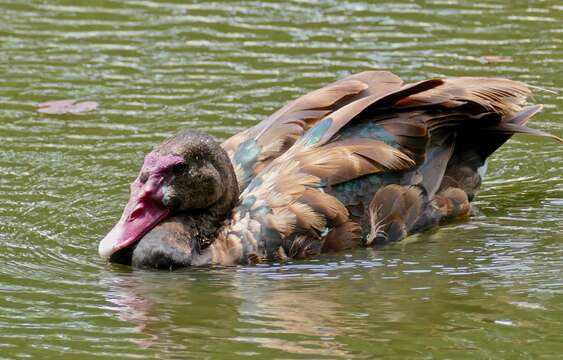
{"points": [[487, 288]]}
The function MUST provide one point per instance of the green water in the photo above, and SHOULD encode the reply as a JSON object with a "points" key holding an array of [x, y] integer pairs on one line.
{"points": [[487, 288]]}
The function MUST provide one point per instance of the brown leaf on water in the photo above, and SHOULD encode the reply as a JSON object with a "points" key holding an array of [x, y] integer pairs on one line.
{"points": [[491, 59], [66, 107]]}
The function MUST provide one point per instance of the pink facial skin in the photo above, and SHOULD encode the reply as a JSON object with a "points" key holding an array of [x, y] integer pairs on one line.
{"points": [[146, 207]]}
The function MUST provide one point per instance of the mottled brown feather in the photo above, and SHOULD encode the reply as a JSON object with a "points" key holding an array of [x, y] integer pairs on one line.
{"points": [[452, 203], [344, 160], [325, 204], [393, 211], [345, 236], [307, 219]]}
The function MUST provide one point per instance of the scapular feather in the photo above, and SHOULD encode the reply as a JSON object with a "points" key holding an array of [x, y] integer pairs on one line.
{"points": [[348, 159]]}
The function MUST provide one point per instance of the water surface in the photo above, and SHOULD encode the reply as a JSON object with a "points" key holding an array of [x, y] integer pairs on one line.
{"points": [[488, 287]]}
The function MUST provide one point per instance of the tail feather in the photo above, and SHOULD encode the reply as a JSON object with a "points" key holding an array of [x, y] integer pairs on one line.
{"points": [[521, 118], [510, 129], [516, 124]]}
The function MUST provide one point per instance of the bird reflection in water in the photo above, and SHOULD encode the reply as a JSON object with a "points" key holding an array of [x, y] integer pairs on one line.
{"points": [[132, 307], [247, 307]]}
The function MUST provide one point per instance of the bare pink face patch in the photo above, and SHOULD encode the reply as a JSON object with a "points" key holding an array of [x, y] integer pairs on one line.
{"points": [[146, 207]]}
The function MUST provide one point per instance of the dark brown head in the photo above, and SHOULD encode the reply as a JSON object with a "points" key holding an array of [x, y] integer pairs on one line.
{"points": [[186, 174]]}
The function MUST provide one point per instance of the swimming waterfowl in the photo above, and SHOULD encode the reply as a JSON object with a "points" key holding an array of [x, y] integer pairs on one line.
{"points": [[367, 159]]}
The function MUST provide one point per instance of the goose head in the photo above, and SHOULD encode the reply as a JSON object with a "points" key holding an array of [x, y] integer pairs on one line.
{"points": [[188, 179]]}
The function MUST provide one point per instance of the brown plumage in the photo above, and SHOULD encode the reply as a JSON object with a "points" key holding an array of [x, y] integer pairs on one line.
{"points": [[393, 211], [344, 160], [363, 160], [342, 237]]}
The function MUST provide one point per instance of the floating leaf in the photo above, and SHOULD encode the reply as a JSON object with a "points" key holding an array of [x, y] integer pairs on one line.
{"points": [[496, 59], [66, 107]]}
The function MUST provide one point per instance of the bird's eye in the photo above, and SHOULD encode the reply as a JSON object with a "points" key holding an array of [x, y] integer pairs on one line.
{"points": [[144, 177], [179, 168]]}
